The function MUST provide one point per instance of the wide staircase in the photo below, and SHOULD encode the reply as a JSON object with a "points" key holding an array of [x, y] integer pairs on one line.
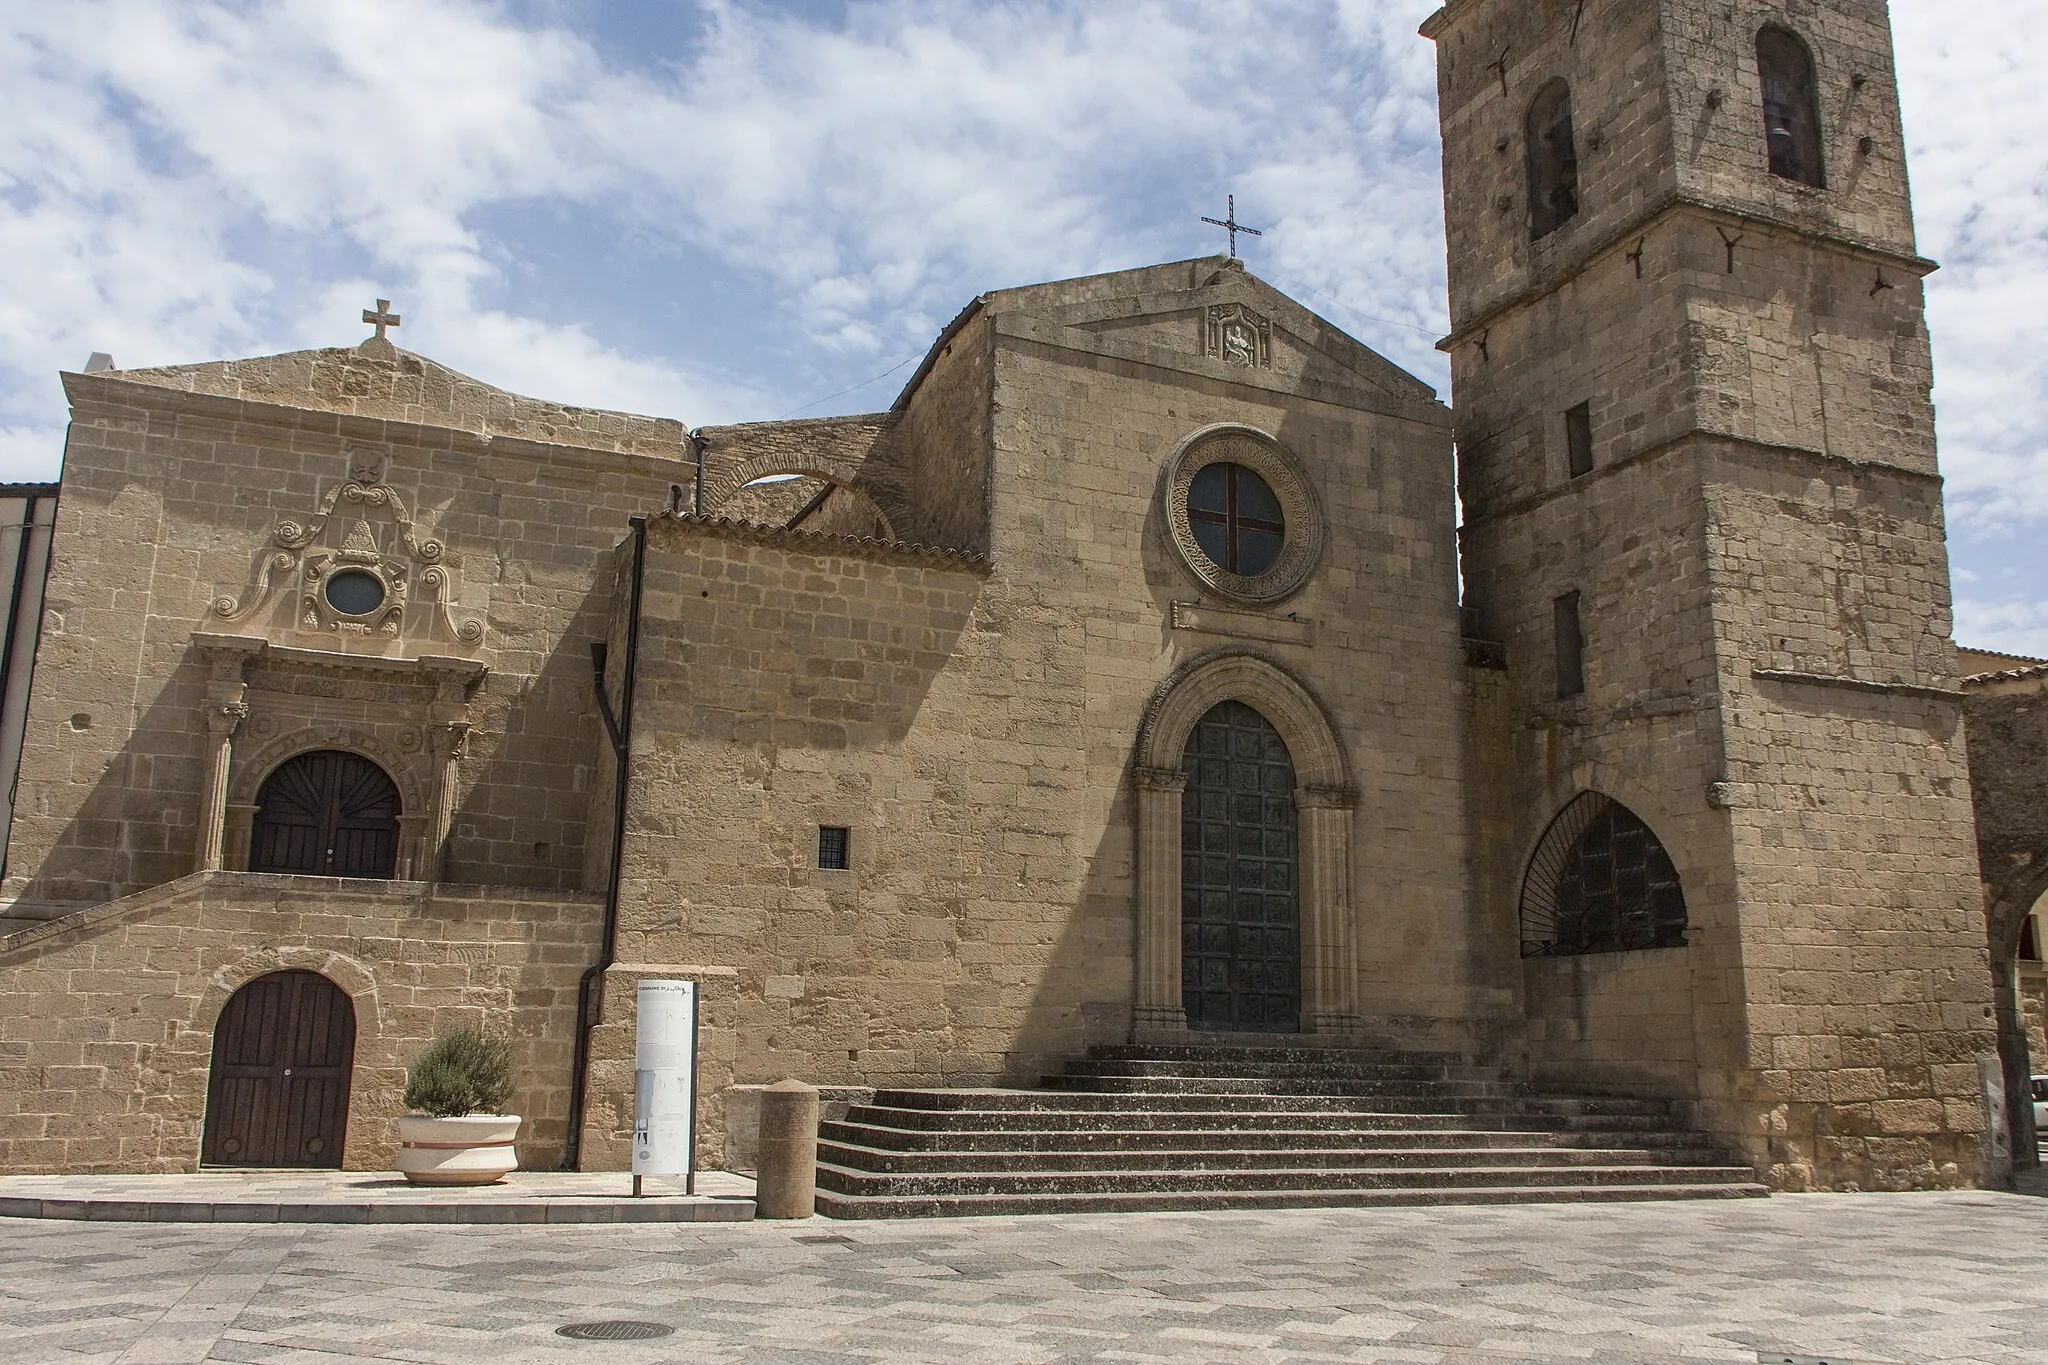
{"points": [[1166, 1128]]}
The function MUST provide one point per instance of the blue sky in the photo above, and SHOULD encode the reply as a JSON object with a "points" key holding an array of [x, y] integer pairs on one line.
{"points": [[724, 211]]}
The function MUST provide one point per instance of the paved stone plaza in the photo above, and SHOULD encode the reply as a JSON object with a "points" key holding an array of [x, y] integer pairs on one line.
{"points": [[1847, 1278]]}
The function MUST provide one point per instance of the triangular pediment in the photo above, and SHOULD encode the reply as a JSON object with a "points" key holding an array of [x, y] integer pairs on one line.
{"points": [[1212, 317], [378, 380]]}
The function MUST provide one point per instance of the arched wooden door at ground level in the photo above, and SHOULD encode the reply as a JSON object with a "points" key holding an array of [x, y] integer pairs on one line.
{"points": [[283, 1051], [331, 813], [1239, 884]]}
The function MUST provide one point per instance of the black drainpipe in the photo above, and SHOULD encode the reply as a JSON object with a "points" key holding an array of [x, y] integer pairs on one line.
{"points": [[619, 729]]}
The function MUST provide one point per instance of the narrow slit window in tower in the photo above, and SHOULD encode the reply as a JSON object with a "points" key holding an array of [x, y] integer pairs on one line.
{"points": [[1578, 439], [1553, 160], [1791, 105], [1571, 646]]}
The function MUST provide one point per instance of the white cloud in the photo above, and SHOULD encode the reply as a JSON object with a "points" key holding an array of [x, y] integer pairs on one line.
{"points": [[1974, 114], [210, 178], [2008, 627]]}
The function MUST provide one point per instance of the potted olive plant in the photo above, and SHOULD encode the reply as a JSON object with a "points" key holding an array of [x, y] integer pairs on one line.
{"points": [[457, 1136]]}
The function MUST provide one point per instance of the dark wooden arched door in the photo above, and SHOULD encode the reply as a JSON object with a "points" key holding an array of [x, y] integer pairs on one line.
{"points": [[329, 812], [1240, 948], [278, 1094]]}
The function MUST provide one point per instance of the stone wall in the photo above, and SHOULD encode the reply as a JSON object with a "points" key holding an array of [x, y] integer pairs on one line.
{"points": [[173, 495], [971, 723], [1759, 560], [106, 1042]]}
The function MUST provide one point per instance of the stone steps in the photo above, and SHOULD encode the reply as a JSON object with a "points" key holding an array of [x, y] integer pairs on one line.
{"points": [[1256, 1127], [862, 1157], [1127, 1140], [847, 1180], [834, 1205], [1187, 1097], [1238, 1111]]}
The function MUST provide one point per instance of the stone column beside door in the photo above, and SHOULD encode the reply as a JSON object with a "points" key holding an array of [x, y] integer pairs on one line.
{"points": [[1157, 1012], [1329, 956], [226, 707]]}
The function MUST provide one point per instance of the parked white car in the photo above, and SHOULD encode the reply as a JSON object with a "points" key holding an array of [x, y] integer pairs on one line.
{"points": [[2041, 1106]]}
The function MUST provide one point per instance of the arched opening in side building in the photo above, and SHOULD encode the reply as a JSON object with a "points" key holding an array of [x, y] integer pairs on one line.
{"points": [[277, 1090]]}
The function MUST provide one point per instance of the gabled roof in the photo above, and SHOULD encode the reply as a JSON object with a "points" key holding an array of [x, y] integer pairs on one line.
{"points": [[1094, 307], [378, 380]]}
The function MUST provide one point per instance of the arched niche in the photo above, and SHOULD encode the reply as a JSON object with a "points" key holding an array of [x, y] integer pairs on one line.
{"points": [[1791, 99], [1553, 159]]}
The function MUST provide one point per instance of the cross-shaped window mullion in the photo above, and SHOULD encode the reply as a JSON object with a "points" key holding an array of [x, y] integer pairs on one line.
{"points": [[1233, 521]]}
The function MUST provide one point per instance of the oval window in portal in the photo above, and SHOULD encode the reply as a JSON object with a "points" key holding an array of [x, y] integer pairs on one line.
{"points": [[1236, 519], [352, 592]]}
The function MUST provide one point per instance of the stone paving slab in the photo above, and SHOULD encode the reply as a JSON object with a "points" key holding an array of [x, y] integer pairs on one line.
{"points": [[373, 1197], [1926, 1279]]}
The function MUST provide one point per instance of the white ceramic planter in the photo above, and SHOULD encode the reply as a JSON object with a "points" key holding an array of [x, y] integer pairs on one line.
{"points": [[475, 1149]]}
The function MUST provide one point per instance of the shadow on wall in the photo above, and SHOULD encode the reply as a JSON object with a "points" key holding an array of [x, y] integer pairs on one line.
{"points": [[515, 823], [2007, 731]]}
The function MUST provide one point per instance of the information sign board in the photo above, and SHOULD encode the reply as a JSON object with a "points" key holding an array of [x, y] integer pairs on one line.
{"points": [[665, 1079]]}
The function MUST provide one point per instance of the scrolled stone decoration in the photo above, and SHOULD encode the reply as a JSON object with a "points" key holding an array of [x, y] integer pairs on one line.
{"points": [[377, 565], [1301, 506]]}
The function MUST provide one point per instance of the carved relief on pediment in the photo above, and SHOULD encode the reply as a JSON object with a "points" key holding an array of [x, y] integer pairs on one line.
{"points": [[1239, 335], [357, 566]]}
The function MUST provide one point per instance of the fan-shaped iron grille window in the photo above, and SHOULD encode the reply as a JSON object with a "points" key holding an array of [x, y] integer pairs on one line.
{"points": [[1600, 883]]}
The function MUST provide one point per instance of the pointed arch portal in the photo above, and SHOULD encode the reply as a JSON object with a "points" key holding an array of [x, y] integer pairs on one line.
{"points": [[1240, 898], [1245, 800]]}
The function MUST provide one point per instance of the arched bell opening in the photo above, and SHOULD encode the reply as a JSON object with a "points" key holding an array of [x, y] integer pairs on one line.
{"points": [[278, 1084], [327, 813]]}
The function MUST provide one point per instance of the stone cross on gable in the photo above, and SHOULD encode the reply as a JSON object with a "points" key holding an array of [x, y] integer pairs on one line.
{"points": [[381, 316]]}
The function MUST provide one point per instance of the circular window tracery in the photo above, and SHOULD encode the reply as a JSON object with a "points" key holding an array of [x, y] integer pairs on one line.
{"points": [[1236, 519], [1243, 514], [355, 592]]}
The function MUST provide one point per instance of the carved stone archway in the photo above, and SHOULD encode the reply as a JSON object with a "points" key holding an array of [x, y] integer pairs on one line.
{"points": [[188, 1057], [1324, 795], [418, 840]]}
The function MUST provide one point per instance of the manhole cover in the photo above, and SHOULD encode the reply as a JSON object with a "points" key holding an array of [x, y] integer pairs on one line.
{"points": [[614, 1331]]}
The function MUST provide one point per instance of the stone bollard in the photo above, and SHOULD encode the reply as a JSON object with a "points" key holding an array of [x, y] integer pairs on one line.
{"points": [[786, 1174]]}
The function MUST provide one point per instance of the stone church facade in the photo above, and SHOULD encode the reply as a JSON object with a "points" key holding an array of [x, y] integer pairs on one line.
{"points": [[1130, 678]]}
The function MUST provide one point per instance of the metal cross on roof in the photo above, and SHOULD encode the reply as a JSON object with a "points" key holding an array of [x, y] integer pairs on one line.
{"points": [[381, 316], [1230, 224]]}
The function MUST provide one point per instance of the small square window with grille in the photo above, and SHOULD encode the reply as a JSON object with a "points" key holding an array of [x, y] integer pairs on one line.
{"points": [[832, 847], [1578, 439]]}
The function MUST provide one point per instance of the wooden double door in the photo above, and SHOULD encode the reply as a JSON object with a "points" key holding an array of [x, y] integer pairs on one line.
{"points": [[331, 813], [283, 1051]]}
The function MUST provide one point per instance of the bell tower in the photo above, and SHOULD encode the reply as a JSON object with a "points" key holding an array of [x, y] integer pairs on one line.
{"points": [[1703, 525]]}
